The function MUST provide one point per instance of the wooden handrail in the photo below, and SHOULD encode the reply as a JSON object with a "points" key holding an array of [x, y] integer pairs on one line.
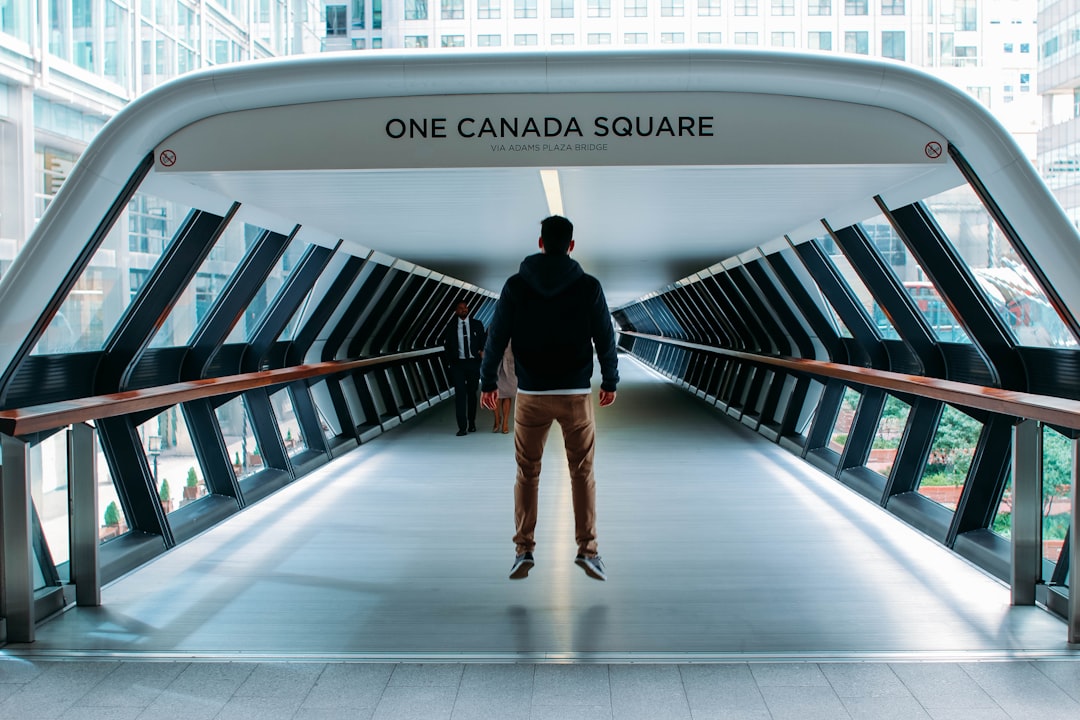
{"points": [[37, 418], [1045, 408]]}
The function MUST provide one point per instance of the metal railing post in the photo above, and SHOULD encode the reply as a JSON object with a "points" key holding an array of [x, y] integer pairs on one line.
{"points": [[16, 541], [82, 479], [1026, 512]]}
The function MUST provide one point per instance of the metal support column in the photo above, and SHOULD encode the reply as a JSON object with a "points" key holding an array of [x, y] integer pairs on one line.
{"points": [[82, 479], [1026, 511], [16, 541], [1074, 548]]}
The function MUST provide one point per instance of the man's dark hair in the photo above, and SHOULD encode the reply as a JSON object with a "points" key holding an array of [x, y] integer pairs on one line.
{"points": [[557, 232]]}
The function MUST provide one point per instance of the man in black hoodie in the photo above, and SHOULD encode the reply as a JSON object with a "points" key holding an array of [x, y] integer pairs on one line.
{"points": [[556, 316]]}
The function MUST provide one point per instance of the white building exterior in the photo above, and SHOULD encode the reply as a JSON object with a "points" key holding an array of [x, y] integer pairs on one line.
{"points": [[67, 66], [1059, 87], [987, 47]]}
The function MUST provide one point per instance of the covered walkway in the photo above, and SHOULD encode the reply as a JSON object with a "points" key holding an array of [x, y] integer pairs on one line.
{"points": [[743, 584], [719, 545]]}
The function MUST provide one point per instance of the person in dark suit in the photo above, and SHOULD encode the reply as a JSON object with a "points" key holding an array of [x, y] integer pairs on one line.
{"points": [[463, 344]]}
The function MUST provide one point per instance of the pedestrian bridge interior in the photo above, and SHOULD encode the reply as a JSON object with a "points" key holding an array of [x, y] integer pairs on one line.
{"points": [[846, 308]]}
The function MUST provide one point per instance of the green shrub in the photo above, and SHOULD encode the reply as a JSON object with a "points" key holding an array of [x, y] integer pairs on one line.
{"points": [[940, 478], [192, 478], [163, 493], [112, 514]]}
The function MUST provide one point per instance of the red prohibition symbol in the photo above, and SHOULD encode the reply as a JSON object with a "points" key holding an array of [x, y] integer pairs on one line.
{"points": [[168, 158], [933, 149]]}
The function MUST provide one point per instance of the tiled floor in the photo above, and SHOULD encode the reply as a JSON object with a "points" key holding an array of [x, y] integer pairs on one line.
{"points": [[146, 690], [743, 584]]}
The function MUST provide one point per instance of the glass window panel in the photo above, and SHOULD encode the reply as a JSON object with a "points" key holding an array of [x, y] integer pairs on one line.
{"points": [[15, 19], [709, 8], [289, 333], [328, 420], [204, 289], [170, 455], [950, 457], [782, 7], [862, 293], [1005, 280], [117, 271], [894, 417], [782, 39], [893, 44], [453, 9], [1056, 492], [810, 405], [109, 509], [48, 469], [416, 9], [672, 8], [288, 425], [857, 42], [263, 299], [844, 418], [819, 40], [562, 8], [910, 274], [746, 8], [1002, 524], [239, 437]]}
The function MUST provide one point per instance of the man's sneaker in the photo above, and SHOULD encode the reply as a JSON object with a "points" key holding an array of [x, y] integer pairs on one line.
{"points": [[593, 566], [522, 565]]}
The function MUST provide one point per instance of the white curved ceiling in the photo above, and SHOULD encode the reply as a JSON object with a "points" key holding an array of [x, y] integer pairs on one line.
{"points": [[637, 229]]}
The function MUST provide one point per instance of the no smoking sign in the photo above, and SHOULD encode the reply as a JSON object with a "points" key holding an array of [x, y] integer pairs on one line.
{"points": [[167, 158]]}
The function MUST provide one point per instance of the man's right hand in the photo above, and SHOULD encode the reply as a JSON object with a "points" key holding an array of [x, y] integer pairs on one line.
{"points": [[606, 398], [488, 399]]}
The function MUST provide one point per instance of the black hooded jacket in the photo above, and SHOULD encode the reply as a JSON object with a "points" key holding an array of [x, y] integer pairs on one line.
{"points": [[555, 315]]}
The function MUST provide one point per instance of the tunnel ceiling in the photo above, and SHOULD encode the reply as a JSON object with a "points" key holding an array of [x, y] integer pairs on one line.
{"points": [[637, 228]]}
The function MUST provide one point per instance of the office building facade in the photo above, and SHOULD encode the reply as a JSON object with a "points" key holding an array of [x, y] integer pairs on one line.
{"points": [[66, 67]]}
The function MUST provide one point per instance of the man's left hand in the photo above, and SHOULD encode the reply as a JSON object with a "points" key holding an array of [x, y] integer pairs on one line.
{"points": [[488, 399]]}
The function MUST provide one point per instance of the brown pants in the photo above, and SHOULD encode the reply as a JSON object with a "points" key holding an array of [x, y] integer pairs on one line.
{"points": [[532, 421]]}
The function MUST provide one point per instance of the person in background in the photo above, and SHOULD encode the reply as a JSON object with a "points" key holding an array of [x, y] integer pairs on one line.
{"points": [[557, 317], [507, 389], [463, 346]]}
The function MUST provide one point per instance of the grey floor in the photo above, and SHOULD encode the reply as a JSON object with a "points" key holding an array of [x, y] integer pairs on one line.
{"points": [[743, 584]]}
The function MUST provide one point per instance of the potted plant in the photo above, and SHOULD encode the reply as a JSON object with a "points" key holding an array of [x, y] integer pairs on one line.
{"points": [[191, 489], [254, 459], [236, 462], [163, 495]]}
